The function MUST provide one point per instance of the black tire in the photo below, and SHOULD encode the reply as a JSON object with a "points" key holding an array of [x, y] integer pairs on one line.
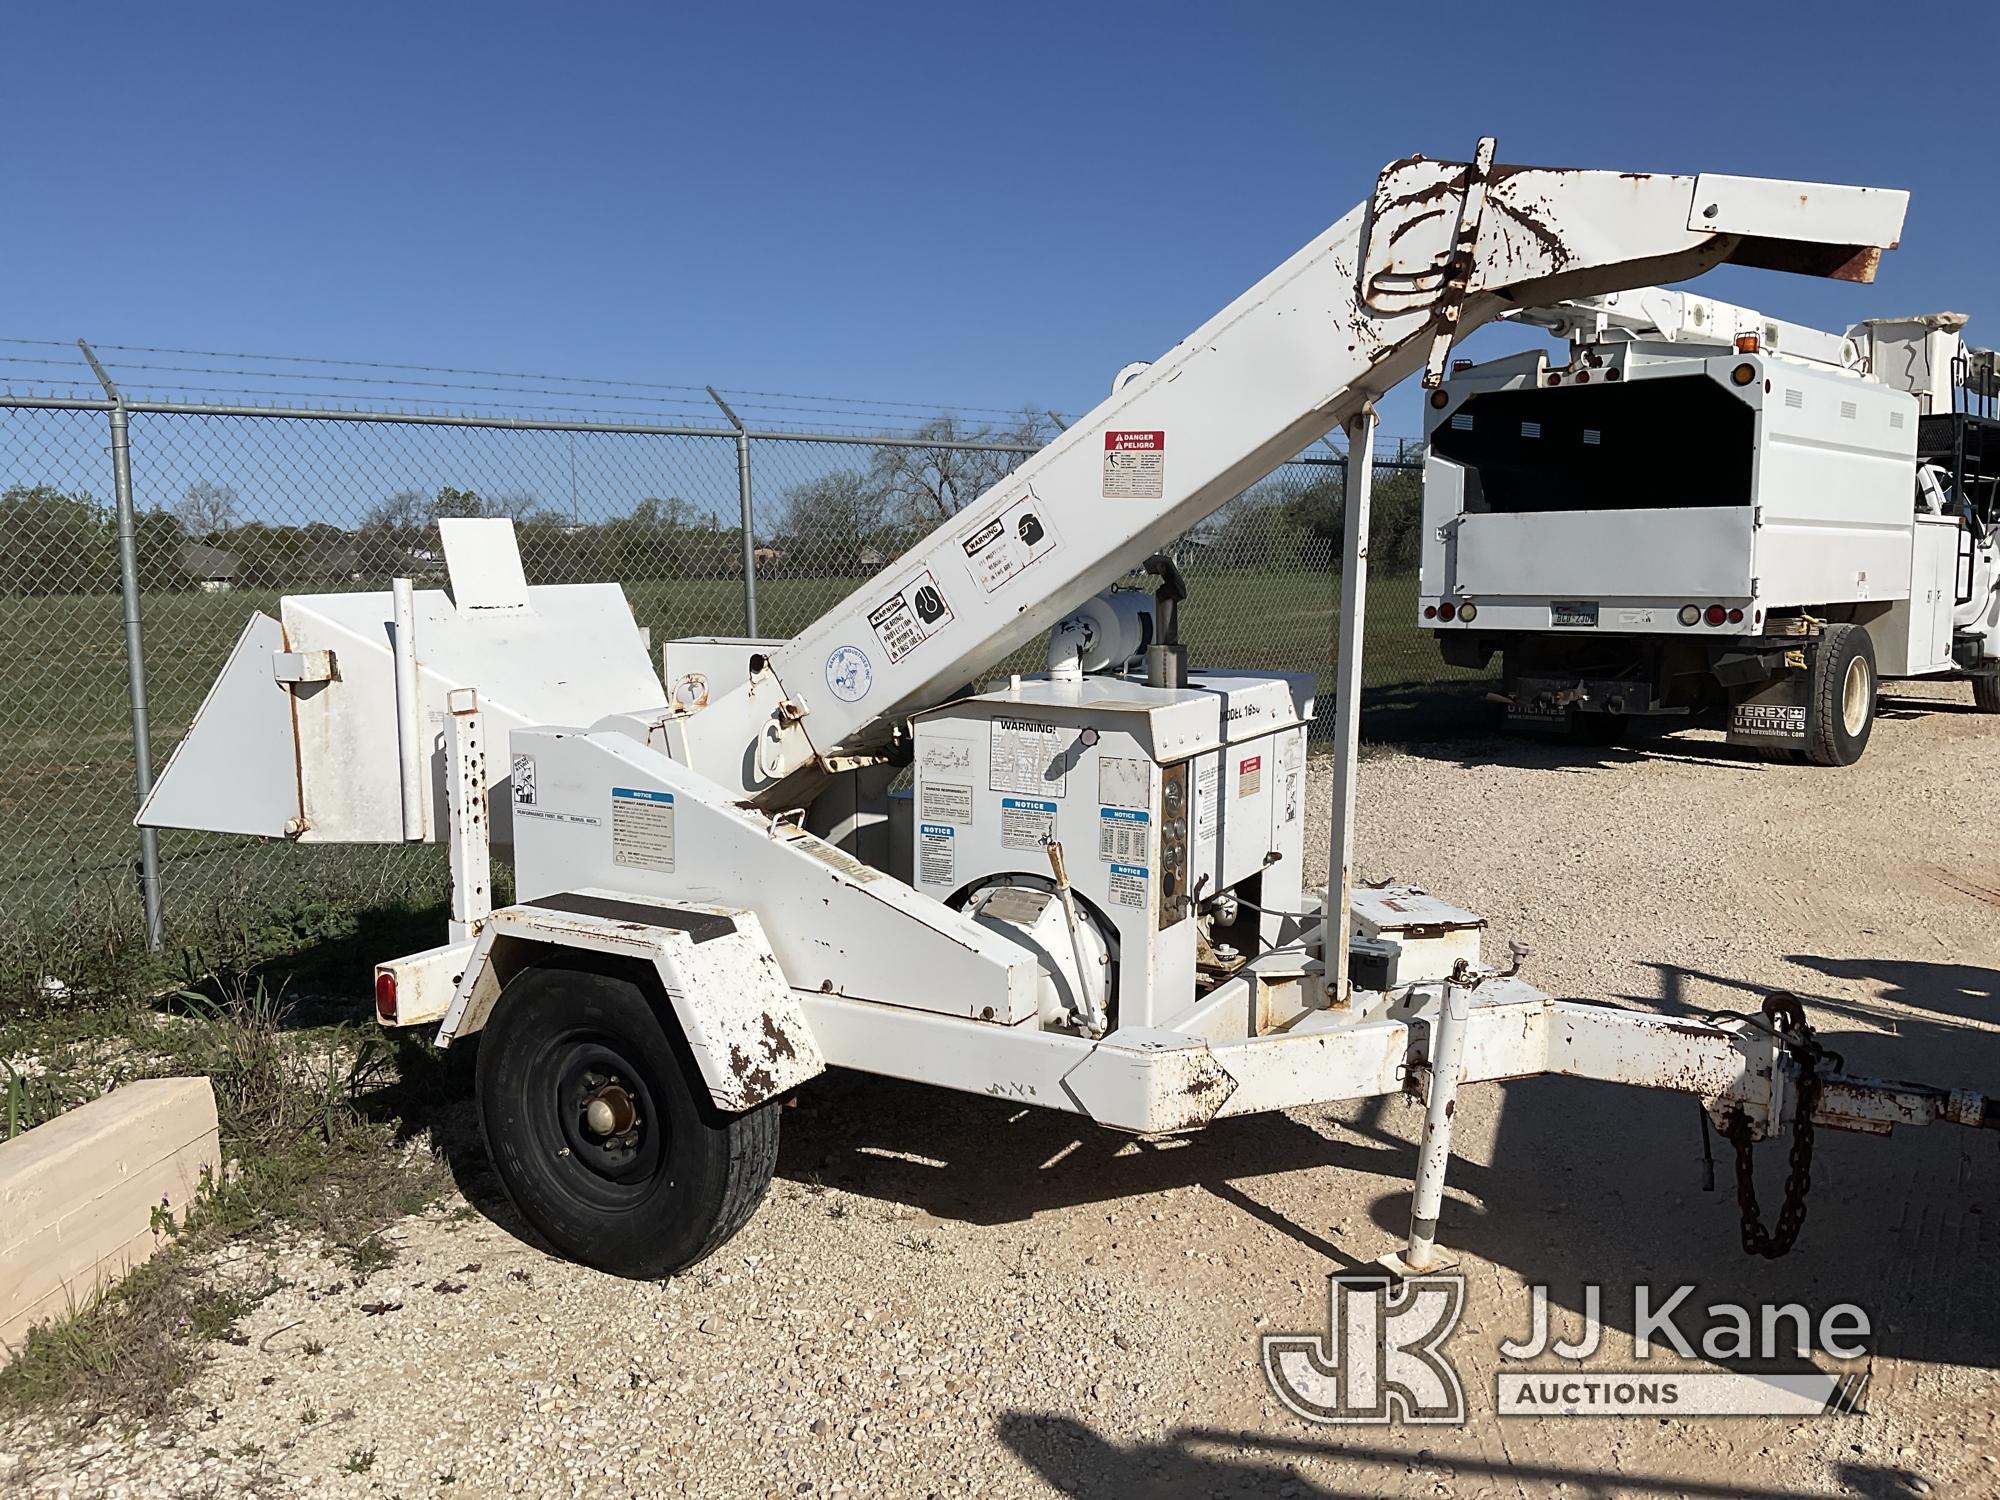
{"points": [[651, 1198], [1840, 707], [1986, 694]]}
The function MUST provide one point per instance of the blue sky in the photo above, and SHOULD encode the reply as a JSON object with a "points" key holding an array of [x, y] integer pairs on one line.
{"points": [[929, 203]]}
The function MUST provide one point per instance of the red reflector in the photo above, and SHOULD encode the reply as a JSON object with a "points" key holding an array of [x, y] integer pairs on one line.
{"points": [[1716, 614], [385, 997], [1583, 377], [1430, 611], [1736, 617], [1446, 611]]}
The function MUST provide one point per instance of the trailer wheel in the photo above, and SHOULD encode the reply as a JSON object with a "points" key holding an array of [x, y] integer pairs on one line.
{"points": [[1986, 694], [1840, 711], [601, 1130]]}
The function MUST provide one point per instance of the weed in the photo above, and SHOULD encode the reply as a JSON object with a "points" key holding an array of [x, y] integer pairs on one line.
{"points": [[309, 1416], [313, 1349], [305, 1153], [360, 1461]]}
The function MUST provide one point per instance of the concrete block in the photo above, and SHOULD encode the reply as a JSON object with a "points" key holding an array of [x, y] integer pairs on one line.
{"points": [[77, 1195]]}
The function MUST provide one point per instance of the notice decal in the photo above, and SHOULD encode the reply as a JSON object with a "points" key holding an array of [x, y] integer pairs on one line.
{"points": [[1026, 822], [1135, 465], [642, 828], [937, 854], [1128, 885], [1122, 834]]}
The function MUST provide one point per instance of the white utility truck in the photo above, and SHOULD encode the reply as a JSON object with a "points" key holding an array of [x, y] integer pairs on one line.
{"points": [[1090, 895], [1706, 515]]}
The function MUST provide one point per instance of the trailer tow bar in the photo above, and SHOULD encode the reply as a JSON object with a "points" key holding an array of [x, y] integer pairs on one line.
{"points": [[1840, 1102]]}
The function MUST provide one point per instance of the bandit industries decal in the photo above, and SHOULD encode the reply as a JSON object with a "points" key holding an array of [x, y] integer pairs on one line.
{"points": [[910, 616], [1000, 548], [1135, 465], [848, 675]]}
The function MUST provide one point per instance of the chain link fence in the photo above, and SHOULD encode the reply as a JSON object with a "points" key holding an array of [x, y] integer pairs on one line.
{"points": [[234, 506]]}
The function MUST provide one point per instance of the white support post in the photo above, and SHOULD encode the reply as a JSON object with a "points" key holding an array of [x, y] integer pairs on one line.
{"points": [[470, 833], [409, 731], [1347, 694], [1434, 1153]]}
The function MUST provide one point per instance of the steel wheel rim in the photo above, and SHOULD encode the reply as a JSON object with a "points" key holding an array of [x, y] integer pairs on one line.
{"points": [[614, 1168], [1854, 693]]}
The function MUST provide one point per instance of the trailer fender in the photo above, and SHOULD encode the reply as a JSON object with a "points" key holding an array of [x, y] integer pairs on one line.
{"points": [[745, 1027]]}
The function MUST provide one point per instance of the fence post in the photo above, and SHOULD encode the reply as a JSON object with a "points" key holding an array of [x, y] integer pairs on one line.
{"points": [[135, 653], [743, 500]]}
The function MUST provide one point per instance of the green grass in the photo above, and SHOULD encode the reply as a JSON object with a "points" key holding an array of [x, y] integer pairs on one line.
{"points": [[66, 779]]}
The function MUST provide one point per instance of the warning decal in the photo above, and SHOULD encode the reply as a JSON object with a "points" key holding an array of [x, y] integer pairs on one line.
{"points": [[909, 617], [1250, 776], [936, 854], [1135, 465], [1026, 756], [1021, 534], [1121, 834], [642, 829], [1025, 823]]}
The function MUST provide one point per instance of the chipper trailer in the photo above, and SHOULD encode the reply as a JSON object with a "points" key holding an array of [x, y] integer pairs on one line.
{"points": [[1707, 515], [1082, 889]]}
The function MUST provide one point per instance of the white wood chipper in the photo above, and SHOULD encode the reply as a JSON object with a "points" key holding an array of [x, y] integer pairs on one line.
{"points": [[1081, 890]]}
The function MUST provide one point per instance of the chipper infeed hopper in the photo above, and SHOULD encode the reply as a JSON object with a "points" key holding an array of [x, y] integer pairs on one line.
{"points": [[1081, 890]]}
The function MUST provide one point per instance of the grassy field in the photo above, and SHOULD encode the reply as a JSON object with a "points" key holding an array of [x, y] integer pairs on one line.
{"points": [[66, 776]]}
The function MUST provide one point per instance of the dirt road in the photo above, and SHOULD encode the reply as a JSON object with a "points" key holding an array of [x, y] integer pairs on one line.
{"points": [[946, 1296]]}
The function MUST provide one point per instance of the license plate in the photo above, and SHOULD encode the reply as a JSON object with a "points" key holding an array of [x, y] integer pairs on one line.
{"points": [[1582, 612]]}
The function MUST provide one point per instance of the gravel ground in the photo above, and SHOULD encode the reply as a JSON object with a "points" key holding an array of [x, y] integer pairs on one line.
{"points": [[943, 1296]]}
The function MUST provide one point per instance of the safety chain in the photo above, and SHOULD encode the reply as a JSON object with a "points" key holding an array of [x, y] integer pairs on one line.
{"points": [[1787, 1014]]}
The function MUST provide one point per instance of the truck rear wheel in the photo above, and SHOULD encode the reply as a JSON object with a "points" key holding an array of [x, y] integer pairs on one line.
{"points": [[1986, 694], [1840, 711], [601, 1129]]}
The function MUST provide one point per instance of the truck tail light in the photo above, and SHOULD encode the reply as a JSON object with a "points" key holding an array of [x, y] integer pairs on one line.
{"points": [[1467, 613], [385, 996], [1447, 610], [1430, 611], [1736, 617], [1690, 614], [1716, 614], [1743, 374]]}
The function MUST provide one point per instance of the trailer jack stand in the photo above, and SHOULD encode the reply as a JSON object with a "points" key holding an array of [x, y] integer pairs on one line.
{"points": [[1447, 1064]]}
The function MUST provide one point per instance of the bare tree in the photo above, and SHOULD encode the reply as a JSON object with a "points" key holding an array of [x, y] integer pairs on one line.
{"points": [[207, 508], [923, 483]]}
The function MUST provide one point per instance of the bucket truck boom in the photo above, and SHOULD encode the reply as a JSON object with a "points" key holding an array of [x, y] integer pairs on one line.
{"points": [[1092, 896]]}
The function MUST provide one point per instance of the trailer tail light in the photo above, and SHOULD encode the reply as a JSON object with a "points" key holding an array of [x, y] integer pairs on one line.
{"points": [[1447, 610], [1736, 617], [1716, 614], [1438, 400], [385, 996], [1690, 614], [1743, 374], [1467, 613], [1583, 377], [1430, 611]]}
